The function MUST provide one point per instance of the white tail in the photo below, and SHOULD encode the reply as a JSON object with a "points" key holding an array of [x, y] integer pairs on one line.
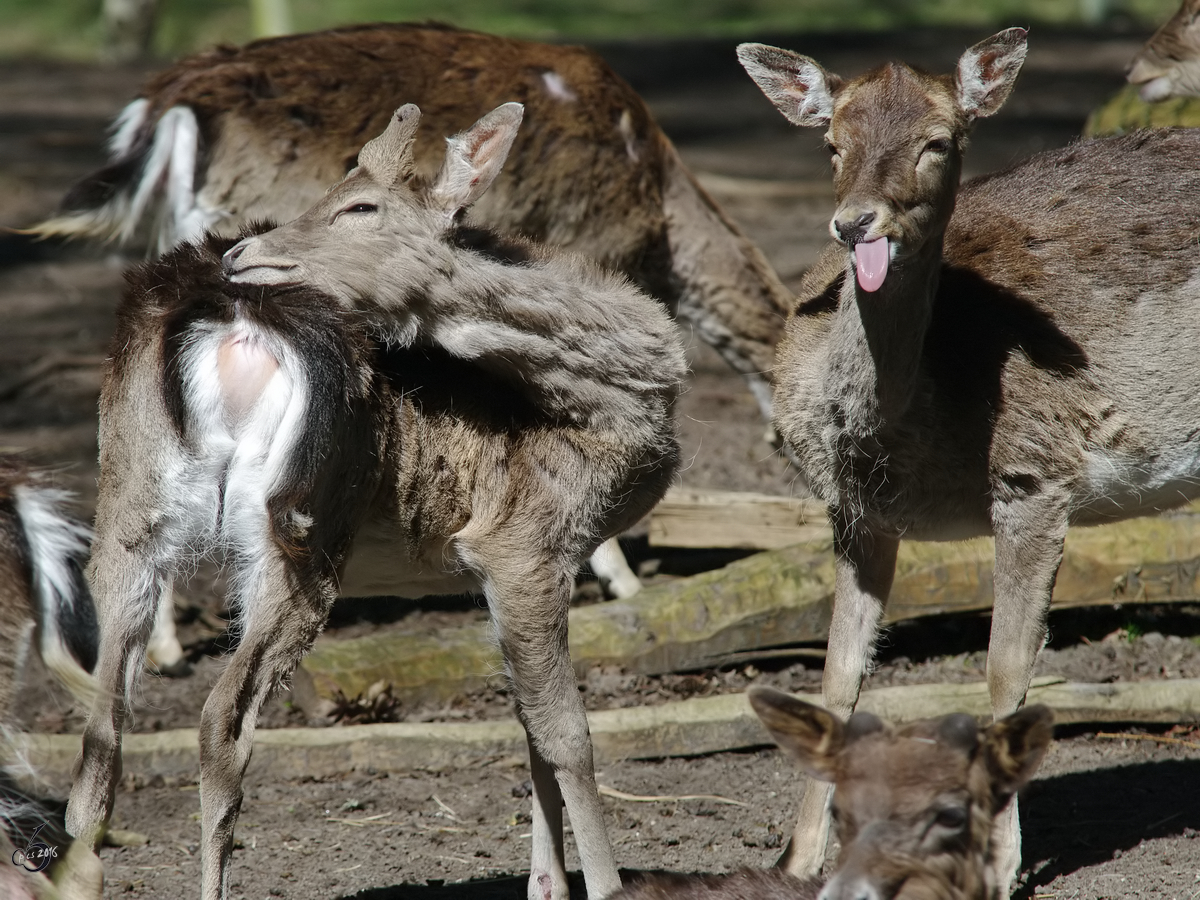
{"points": [[455, 415], [43, 592], [42, 553]]}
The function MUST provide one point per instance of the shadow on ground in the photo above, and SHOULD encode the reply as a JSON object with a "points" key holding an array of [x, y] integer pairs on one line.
{"points": [[1081, 819]]}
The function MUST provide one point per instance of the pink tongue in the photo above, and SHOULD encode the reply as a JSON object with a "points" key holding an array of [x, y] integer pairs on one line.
{"points": [[871, 260]]}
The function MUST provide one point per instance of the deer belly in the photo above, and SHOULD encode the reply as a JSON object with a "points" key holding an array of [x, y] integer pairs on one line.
{"points": [[380, 565], [1117, 487]]}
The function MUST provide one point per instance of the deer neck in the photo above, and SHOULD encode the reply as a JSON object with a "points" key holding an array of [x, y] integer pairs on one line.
{"points": [[877, 341]]}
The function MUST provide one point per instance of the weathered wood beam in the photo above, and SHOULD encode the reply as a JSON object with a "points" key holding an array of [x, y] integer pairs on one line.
{"points": [[767, 600], [686, 728]]}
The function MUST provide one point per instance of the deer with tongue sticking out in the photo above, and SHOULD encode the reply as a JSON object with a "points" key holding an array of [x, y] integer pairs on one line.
{"points": [[861, 408]]}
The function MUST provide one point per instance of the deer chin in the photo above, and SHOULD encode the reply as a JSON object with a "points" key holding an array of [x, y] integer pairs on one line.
{"points": [[1155, 89], [871, 259], [272, 275]]}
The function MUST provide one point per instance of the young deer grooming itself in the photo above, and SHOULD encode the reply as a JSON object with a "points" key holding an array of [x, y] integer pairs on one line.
{"points": [[376, 387], [44, 606], [914, 804], [1043, 375], [1169, 64]]}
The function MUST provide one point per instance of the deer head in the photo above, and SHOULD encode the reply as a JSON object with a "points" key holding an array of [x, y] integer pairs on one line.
{"points": [[1169, 64], [381, 216], [896, 137], [913, 805]]}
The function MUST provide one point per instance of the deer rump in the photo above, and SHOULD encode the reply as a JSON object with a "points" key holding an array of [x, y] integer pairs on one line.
{"points": [[286, 421]]}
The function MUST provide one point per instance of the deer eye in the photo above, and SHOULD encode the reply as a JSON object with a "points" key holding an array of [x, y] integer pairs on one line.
{"points": [[833, 151], [361, 208], [952, 817], [937, 145]]}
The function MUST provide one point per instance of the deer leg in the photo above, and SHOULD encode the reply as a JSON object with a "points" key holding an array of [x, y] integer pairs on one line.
{"points": [[1029, 548], [128, 585], [610, 566], [865, 564], [531, 618], [163, 651], [280, 624]]}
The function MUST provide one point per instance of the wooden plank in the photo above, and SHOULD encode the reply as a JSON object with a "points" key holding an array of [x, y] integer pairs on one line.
{"points": [[687, 517], [684, 728], [765, 601]]}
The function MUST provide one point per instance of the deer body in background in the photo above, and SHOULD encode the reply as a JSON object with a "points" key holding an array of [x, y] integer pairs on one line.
{"points": [[1028, 364], [46, 608], [1169, 63], [236, 135], [376, 368], [915, 804]]}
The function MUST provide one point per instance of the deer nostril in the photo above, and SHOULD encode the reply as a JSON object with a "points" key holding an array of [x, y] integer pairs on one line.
{"points": [[853, 231], [231, 257]]}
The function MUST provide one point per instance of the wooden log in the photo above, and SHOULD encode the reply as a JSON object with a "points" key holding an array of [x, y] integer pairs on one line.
{"points": [[767, 600], [687, 517], [685, 728]]}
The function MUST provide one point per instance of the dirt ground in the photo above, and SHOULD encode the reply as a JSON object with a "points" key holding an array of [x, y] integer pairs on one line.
{"points": [[1107, 816]]}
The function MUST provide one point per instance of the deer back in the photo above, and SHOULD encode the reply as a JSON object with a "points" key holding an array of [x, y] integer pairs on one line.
{"points": [[585, 174]]}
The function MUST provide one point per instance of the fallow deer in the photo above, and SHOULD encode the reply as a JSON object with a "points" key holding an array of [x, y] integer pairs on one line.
{"points": [[1169, 63], [376, 386], [234, 135], [1043, 374], [45, 608], [914, 804]]}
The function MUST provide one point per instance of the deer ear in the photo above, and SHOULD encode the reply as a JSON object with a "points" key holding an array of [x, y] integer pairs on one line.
{"points": [[810, 733], [389, 157], [1013, 749], [475, 157], [797, 85], [987, 72]]}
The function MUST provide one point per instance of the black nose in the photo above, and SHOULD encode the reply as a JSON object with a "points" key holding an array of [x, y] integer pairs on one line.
{"points": [[853, 232]]}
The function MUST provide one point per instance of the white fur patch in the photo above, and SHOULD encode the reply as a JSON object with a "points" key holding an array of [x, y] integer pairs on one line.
{"points": [[55, 540], [164, 196], [245, 447], [625, 126], [126, 126], [556, 87], [1117, 485]]}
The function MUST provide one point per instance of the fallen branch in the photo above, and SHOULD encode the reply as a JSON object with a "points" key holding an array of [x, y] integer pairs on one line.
{"points": [[1157, 738], [606, 791]]}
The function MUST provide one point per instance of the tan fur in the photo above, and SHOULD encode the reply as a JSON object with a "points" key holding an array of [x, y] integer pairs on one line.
{"points": [[282, 119], [479, 412], [915, 804], [1169, 64], [1026, 364]]}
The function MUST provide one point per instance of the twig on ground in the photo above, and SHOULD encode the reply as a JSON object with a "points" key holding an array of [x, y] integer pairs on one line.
{"points": [[606, 791], [1146, 737]]}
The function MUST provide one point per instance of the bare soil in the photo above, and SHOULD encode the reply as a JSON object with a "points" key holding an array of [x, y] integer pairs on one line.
{"points": [[1107, 816]]}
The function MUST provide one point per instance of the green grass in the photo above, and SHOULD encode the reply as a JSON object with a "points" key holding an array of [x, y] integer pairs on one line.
{"points": [[71, 28]]}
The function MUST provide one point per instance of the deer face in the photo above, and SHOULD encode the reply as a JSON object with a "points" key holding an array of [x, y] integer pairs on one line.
{"points": [[380, 224], [914, 805], [1169, 64], [896, 138]]}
